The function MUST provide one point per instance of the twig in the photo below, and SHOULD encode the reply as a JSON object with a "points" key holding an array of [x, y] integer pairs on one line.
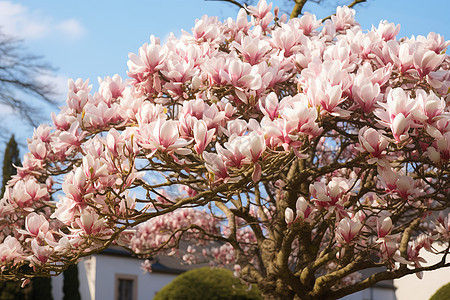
{"points": [[230, 1]]}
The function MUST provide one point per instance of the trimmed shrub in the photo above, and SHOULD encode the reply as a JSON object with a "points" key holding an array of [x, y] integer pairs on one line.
{"points": [[207, 283], [443, 293]]}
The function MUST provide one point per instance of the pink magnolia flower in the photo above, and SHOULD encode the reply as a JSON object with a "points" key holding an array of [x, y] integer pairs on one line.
{"points": [[242, 22], [41, 253], [76, 101], [397, 184], [388, 31], [289, 216], [270, 105], [426, 61], [252, 49], [202, 136], [347, 230], [331, 196], [231, 153], [402, 55], [304, 210], [11, 250], [432, 106], [149, 112], [252, 146], [344, 18], [299, 117], [195, 110], [400, 113], [36, 225], [90, 223], [384, 226], [207, 29], [388, 247], [326, 97], [260, 10], [150, 60], [94, 167], [163, 135], [241, 74], [286, 38], [38, 149], [25, 193], [98, 116], [443, 226], [366, 94], [215, 164], [434, 42], [111, 87], [78, 85], [372, 141], [70, 139], [308, 23], [235, 127]]}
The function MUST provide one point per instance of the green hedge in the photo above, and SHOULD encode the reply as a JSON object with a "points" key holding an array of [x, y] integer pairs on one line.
{"points": [[207, 283], [443, 293]]}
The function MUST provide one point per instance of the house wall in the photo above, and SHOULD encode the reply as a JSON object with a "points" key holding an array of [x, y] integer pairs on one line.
{"points": [[108, 266]]}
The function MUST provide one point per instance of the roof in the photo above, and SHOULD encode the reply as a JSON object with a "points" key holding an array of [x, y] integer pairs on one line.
{"points": [[159, 263]]}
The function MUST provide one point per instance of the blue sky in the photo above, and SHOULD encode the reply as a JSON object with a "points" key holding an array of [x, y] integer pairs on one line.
{"points": [[88, 39]]}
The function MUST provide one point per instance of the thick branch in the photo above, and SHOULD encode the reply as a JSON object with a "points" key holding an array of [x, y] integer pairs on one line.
{"points": [[297, 10]]}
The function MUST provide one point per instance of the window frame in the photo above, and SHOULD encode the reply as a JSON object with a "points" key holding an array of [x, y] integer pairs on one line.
{"points": [[132, 277]]}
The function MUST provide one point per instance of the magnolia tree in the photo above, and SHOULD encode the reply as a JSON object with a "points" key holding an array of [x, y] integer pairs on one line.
{"points": [[298, 152]]}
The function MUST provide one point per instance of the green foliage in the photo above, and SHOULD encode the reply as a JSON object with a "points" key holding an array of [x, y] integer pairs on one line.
{"points": [[42, 288], [207, 283], [11, 290], [443, 293], [11, 157], [71, 285]]}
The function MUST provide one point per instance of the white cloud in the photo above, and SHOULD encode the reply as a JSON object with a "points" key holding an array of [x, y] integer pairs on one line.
{"points": [[71, 27], [18, 20]]}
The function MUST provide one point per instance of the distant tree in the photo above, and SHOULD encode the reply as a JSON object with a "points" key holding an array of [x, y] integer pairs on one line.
{"points": [[41, 288], [21, 74], [11, 158], [207, 283], [71, 285]]}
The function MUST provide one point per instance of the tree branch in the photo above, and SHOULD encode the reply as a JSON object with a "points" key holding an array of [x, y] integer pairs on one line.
{"points": [[230, 1], [297, 10]]}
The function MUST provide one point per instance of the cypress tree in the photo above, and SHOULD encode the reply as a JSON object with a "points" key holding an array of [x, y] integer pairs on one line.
{"points": [[41, 288], [11, 157], [71, 284]]}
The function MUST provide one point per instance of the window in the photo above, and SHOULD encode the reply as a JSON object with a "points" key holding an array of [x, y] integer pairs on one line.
{"points": [[126, 287]]}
